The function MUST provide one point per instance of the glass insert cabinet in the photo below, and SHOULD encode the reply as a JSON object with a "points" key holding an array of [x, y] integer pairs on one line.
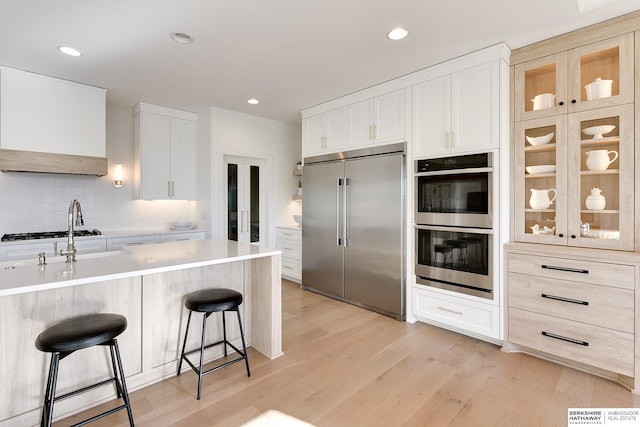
{"points": [[588, 77], [574, 179]]}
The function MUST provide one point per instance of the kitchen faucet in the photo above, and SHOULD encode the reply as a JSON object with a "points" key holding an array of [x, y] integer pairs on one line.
{"points": [[70, 252]]}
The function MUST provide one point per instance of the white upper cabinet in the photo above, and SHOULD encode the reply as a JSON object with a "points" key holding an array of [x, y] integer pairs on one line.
{"points": [[457, 112], [324, 132], [377, 120], [166, 153]]}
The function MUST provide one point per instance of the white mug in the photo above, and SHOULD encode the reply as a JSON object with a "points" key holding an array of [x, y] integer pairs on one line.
{"points": [[599, 160]]}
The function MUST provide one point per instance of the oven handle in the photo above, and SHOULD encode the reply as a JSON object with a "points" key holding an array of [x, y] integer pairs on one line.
{"points": [[456, 171], [456, 229]]}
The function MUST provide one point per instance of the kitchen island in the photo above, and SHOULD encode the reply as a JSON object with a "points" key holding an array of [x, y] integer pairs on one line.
{"points": [[147, 284]]}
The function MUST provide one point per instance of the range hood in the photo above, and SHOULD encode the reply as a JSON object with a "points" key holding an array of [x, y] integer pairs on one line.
{"points": [[33, 161], [51, 125]]}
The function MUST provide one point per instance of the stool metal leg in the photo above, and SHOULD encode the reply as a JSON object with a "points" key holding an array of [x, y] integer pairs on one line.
{"points": [[115, 373], [47, 408], [184, 344], [204, 329], [224, 334], [244, 347], [125, 393]]}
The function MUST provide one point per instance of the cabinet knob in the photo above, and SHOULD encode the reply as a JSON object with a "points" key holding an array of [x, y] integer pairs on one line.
{"points": [[560, 235], [561, 103], [573, 236], [573, 101]]}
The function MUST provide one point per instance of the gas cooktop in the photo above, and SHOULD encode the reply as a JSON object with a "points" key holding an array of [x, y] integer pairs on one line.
{"points": [[48, 235]]}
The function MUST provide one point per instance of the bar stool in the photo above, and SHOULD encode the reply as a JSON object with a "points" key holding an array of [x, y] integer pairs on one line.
{"points": [[445, 250], [77, 333], [208, 301], [461, 246]]}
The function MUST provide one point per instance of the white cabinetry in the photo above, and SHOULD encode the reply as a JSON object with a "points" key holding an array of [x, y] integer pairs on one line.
{"points": [[31, 249], [177, 237], [465, 315], [289, 241], [457, 112], [117, 243], [166, 152], [324, 132], [377, 120], [44, 119]]}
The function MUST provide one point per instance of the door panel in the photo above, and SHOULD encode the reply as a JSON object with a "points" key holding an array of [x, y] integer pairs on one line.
{"points": [[374, 210], [322, 260]]}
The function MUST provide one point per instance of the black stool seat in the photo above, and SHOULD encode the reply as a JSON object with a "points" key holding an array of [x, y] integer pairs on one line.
{"points": [[77, 333], [81, 332], [210, 300]]}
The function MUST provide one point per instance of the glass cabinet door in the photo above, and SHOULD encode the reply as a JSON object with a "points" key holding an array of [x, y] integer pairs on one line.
{"points": [[601, 178], [540, 87], [540, 191], [601, 74]]}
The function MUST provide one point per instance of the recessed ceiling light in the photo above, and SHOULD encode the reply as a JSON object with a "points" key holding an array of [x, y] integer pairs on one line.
{"points": [[397, 34], [253, 101], [181, 38], [69, 51]]}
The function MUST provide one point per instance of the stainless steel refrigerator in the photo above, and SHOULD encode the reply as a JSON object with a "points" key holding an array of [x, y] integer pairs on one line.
{"points": [[353, 227]]}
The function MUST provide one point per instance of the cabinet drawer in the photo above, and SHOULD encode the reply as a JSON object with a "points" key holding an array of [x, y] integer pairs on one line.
{"points": [[592, 345], [289, 234], [117, 243], [592, 304], [291, 268], [457, 312], [289, 248], [597, 273]]}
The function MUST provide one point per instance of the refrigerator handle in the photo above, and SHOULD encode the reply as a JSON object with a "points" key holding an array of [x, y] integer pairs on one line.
{"points": [[338, 210], [347, 182]]}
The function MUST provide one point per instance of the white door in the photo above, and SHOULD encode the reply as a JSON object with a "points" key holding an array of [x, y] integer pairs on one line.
{"points": [[246, 199]]}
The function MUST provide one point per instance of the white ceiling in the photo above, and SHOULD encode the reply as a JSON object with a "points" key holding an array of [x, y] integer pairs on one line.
{"points": [[290, 54]]}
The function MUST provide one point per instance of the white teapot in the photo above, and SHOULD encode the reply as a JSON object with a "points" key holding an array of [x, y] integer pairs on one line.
{"points": [[540, 198], [599, 160]]}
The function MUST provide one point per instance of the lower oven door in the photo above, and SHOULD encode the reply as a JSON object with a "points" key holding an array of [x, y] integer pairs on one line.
{"points": [[455, 258]]}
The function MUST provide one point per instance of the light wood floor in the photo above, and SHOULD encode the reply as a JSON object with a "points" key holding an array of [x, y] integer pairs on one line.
{"points": [[346, 366]]}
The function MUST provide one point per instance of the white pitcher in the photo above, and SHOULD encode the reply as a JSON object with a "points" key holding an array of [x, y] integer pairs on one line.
{"points": [[540, 198], [599, 160]]}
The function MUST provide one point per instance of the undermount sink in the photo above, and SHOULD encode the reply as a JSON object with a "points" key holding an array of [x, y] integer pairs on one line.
{"points": [[55, 259]]}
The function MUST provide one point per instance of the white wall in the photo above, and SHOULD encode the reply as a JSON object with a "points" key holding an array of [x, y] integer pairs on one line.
{"points": [[39, 202], [239, 134]]}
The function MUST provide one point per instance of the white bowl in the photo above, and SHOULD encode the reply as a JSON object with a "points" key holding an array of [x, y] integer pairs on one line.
{"points": [[181, 224], [298, 219], [598, 131], [540, 140], [541, 169], [602, 234]]}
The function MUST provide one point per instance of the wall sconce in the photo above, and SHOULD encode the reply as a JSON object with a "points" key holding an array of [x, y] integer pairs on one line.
{"points": [[117, 176]]}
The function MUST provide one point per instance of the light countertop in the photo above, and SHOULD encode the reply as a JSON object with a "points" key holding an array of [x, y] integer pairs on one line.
{"points": [[27, 276]]}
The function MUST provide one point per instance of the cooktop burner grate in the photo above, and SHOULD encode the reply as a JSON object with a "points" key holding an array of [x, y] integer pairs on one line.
{"points": [[48, 235]]}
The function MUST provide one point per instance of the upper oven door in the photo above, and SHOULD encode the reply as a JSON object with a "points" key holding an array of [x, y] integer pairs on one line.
{"points": [[459, 198]]}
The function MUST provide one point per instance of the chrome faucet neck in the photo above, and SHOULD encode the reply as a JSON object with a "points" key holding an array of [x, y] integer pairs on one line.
{"points": [[70, 252]]}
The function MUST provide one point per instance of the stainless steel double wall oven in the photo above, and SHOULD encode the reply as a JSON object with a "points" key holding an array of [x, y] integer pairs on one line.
{"points": [[454, 223]]}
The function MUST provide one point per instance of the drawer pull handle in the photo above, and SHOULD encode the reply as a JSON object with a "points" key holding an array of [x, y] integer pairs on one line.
{"points": [[287, 249], [561, 338], [563, 299], [570, 270], [451, 311], [287, 267]]}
